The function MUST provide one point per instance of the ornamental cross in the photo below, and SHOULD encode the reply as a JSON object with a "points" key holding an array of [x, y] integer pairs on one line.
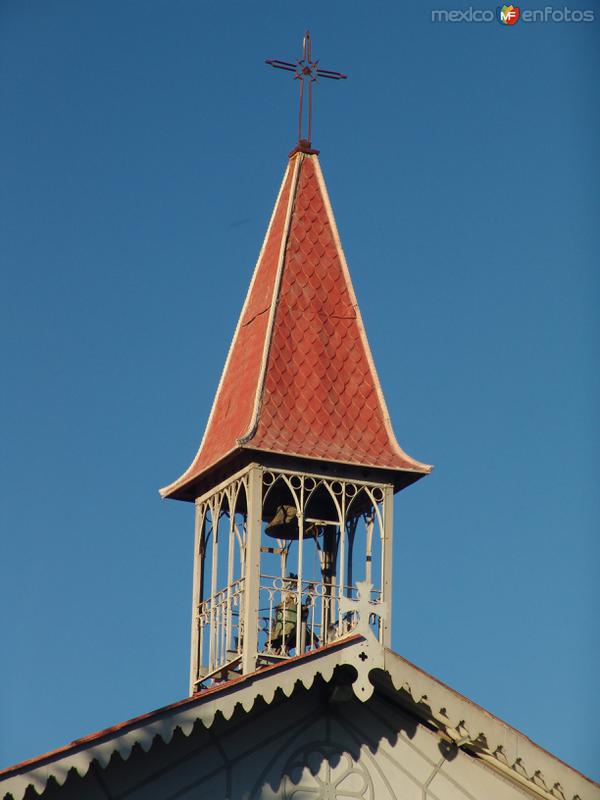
{"points": [[364, 607], [305, 69]]}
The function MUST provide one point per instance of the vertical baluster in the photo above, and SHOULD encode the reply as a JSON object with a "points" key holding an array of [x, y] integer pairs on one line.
{"points": [[220, 631], [235, 617], [201, 624], [321, 616], [230, 564], [223, 644], [220, 627], [284, 610], [309, 617], [270, 623]]}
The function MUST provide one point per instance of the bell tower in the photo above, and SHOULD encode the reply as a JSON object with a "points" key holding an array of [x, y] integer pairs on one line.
{"points": [[294, 479]]}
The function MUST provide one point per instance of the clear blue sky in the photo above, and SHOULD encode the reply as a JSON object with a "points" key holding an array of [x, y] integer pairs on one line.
{"points": [[141, 147]]}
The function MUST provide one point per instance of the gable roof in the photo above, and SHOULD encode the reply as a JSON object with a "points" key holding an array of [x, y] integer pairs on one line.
{"points": [[457, 720], [299, 378]]}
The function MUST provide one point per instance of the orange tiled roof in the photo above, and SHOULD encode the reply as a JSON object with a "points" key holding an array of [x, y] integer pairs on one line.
{"points": [[299, 378]]}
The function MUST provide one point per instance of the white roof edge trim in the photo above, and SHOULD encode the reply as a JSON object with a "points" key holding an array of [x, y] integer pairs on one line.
{"points": [[164, 724], [181, 480], [247, 437], [418, 465], [502, 748]]}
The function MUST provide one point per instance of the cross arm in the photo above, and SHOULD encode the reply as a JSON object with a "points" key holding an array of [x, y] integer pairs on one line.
{"points": [[327, 73], [274, 62]]}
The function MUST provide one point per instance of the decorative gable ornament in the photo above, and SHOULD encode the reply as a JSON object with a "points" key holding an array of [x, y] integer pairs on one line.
{"points": [[370, 656]]}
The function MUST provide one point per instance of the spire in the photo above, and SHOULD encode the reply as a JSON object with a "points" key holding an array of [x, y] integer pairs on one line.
{"points": [[299, 380]]}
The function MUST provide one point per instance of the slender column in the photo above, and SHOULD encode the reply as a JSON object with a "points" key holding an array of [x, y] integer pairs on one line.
{"points": [[252, 570], [300, 518], [196, 593], [343, 574], [215, 507], [230, 565], [386, 564]]}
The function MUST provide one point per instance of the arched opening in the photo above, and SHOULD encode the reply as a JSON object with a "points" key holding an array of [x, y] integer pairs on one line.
{"points": [[287, 585]]}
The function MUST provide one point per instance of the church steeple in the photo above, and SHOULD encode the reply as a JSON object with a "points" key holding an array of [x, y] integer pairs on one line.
{"points": [[294, 480], [299, 381]]}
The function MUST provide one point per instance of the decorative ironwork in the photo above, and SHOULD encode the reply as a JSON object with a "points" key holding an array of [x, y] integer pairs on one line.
{"points": [[364, 607], [305, 70]]}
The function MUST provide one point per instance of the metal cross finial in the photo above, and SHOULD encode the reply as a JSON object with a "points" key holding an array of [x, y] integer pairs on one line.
{"points": [[305, 69]]}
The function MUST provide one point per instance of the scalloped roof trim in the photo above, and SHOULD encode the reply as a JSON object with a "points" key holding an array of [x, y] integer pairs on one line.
{"points": [[457, 718]]}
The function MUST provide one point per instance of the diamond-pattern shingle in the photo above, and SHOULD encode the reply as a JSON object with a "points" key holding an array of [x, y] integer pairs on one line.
{"points": [[299, 378]]}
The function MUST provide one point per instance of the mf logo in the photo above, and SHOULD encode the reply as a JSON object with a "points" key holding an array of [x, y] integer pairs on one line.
{"points": [[507, 15]]}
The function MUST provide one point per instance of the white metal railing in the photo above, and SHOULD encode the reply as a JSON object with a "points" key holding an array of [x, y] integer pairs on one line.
{"points": [[219, 623], [284, 632]]}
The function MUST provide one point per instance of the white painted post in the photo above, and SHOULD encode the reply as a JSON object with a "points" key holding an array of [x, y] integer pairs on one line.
{"points": [[195, 655], [230, 565], [252, 570], [343, 577], [386, 564], [212, 643], [300, 518]]}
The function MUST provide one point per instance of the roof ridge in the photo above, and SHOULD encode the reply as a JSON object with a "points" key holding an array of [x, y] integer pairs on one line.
{"points": [[170, 488], [361, 326], [297, 157]]}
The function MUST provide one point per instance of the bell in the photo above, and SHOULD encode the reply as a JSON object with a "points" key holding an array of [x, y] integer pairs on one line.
{"points": [[284, 525]]}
